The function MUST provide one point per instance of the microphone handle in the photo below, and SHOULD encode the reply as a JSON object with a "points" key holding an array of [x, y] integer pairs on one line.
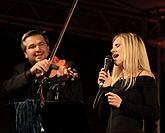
{"points": [[97, 98], [101, 82], [99, 93]]}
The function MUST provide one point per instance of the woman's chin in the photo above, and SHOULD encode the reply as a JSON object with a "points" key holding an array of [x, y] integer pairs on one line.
{"points": [[117, 63]]}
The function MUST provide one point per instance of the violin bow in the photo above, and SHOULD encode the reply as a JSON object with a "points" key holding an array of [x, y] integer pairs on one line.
{"points": [[40, 91], [63, 30]]}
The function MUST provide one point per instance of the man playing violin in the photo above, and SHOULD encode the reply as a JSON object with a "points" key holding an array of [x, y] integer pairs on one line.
{"points": [[24, 85]]}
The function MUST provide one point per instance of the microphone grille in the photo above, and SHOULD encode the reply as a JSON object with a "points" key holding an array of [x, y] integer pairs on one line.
{"points": [[107, 62], [108, 57]]}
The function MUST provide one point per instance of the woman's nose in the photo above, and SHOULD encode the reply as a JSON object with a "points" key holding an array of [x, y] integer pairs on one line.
{"points": [[112, 50]]}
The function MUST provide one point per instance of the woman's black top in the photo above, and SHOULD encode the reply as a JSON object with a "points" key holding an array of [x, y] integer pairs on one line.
{"points": [[139, 107]]}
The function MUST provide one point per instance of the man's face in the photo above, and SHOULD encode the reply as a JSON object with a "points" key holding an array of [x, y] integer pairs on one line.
{"points": [[36, 48]]}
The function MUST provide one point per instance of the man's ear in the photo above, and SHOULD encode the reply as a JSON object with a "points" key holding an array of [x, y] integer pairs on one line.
{"points": [[25, 54], [49, 49]]}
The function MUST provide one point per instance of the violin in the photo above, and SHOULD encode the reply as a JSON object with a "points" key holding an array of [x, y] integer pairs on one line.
{"points": [[59, 72], [61, 68]]}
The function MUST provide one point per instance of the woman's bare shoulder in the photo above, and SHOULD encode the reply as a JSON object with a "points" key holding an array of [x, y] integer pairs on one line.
{"points": [[146, 73]]}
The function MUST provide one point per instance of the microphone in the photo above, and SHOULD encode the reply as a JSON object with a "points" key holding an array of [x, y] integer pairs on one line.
{"points": [[107, 64]]}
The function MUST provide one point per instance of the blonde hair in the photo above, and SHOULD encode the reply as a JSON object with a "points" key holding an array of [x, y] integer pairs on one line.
{"points": [[135, 59]]}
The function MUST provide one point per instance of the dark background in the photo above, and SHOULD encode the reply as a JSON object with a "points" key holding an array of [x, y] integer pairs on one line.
{"points": [[87, 39]]}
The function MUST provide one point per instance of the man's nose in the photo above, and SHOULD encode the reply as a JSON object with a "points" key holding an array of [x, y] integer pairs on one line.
{"points": [[38, 47]]}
